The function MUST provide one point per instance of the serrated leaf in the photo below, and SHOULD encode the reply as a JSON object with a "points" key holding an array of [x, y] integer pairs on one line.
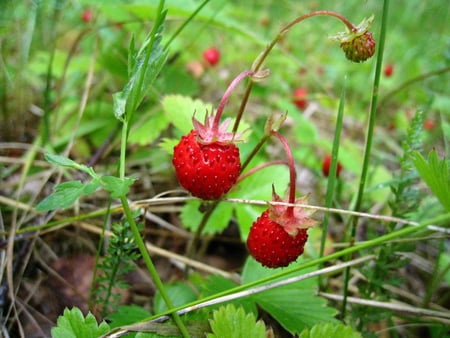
{"points": [[66, 194], [436, 175], [217, 222], [180, 109], [294, 306], [229, 322], [72, 324], [179, 293], [326, 330], [117, 186], [148, 131]]}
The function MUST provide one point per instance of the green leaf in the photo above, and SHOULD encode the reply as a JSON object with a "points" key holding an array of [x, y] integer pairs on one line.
{"points": [[117, 186], [64, 196], [127, 314], [179, 293], [73, 325], [61, 161], [326, 330], [180, 109], [144, 67], [217, 222], [436, 175], [229, 322], [147, 131], [294, 306], [217, 283]]}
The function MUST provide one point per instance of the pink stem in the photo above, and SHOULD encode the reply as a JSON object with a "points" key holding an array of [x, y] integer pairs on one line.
{"points": [[292, 173], [227, 94]]}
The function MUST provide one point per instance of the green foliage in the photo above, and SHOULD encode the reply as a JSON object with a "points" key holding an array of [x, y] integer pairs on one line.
{"points": [[229, 322], [326, 330], [294, 306], [119, 260], [72, 324], [436, 175], [67, 193], [179, 293]]}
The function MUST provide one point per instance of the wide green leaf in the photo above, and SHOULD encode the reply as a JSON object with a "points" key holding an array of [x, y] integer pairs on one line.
{"points": [[72, 324], [326, 330], [294, 306]]}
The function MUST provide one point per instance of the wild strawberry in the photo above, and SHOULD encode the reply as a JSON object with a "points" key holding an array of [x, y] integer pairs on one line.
{"points": [[86, 16], [428, 124], [204, 167], [211, 56], [326, 164], [206, 161], [299, 98], [357, 43], [278, 236], [388, 70]]}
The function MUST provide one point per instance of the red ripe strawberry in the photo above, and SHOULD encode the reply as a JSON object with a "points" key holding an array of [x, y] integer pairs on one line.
{"points": [[86, 16], [299, 98], [326, 164], [388, 70], [206, 160], [278, 236], [211, 56], [428, 124]]}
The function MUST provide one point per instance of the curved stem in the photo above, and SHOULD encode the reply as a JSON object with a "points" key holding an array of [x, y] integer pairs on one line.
{"points": [[292, 173], [262, 57], [227, 94]]}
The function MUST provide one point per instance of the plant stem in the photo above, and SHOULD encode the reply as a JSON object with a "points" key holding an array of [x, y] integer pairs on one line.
{"points": [[261, 58], [368, 144], [332, 177], [292, 173], [149, 264]]}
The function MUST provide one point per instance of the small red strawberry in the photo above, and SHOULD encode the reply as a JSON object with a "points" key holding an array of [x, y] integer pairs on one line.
{"points": [[326, 164], [211, 56], [206, 161], [428, 124], [86, 16], [299, 98], [278, 236], [206, 167], [388, 70]]}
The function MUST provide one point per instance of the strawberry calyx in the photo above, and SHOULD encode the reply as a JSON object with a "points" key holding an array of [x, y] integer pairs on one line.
{"points": [[291, 218], [211, 131]]}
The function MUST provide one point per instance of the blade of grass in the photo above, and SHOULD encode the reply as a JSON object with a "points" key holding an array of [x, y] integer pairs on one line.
{"points": [[368, 144]]}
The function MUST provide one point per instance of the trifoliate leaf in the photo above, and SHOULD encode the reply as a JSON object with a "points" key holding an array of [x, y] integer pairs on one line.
{"points": [[229, 322], [72, 324], [326, 330], [294, 306], [436, 175]]}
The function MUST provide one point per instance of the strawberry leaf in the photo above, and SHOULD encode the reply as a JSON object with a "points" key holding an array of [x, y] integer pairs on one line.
{"points": [[180, 110], [219, 220], [179, 293], [436, 175], [235, 323], [330, 330], [66, 194], [72, 324], [294, 306]]}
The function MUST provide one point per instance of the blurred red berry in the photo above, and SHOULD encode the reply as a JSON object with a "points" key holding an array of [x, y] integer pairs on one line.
{"points": [[326, 164], [299, 98], [388, 70], [86, 16], [428, 124], [211, 56]]}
